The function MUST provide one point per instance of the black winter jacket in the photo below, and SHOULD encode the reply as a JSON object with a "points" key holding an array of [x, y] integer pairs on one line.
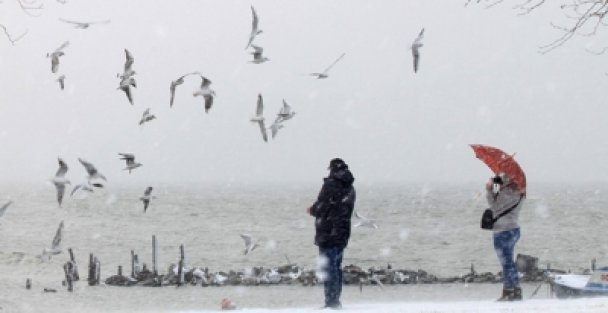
{"points": [[333, 209]]}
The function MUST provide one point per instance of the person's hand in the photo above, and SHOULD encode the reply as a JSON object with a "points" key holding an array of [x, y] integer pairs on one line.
{"points": [[489, 184], [308, 210]]}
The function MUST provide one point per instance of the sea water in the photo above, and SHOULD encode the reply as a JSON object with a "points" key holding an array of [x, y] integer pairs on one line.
{"points": [[433, 227]]}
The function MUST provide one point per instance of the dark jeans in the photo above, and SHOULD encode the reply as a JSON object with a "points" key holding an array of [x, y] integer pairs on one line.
{"points": [[504, 244], [333, 272]]}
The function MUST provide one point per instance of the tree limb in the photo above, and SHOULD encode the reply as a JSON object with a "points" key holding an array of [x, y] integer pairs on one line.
{"points": [[10, 38]]}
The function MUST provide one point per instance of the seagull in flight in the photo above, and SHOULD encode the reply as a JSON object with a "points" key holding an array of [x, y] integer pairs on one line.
{"points": [[257, 55], [126, 78], [250, 243], [55, 56], [93, 173], [325, 71], [259, 118], [146, 198], [207, 93], [176, 83], [415, 49], [4, 207], [83, 25], [364, 221], [60, 181], [61, 79], [254, 27], [274, 128], [86, 186], [130, 159], [285, 113], [146, 117], [55, 245]]}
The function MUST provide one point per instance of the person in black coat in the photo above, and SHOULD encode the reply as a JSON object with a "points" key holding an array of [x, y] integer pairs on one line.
{"points": [[332, 211]]}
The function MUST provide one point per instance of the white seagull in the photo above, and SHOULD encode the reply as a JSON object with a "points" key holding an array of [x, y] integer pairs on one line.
{"points": [[415, 49], [364, 221], [325, 74], [146, 198], [257, 55], [55, 245], [259, 118], [250, 243], [83, 25], [146, 117], [55, 56], [130, 159], [176, 83], [4, 207], [126, 78], [94, 175], [60, 181], [61, 80], [254, 27], [285, 113], [274, 128], [207, 93]]}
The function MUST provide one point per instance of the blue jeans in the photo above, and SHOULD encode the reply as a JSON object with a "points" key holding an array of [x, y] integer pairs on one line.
{"points": [[333, 271], [504, 244]]}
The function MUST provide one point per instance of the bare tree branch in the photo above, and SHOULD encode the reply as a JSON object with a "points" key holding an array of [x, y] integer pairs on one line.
{"points": [[30, 6], [10, 38]]}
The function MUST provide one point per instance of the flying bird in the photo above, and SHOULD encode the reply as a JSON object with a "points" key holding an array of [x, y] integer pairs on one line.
{"points": [[83, 25], [416, 49], [55, 245], [364, 221], [86, 186], [257, 55], [285, 113], [60, 181], [126, 78], [61, 79], [55, 56], [254, 27], [250, 243], [176, 83], [146, 198], [259, 118], [207, 93], [325, 74], [146, 117], [130, 159], [4, 207], [94, 175]]}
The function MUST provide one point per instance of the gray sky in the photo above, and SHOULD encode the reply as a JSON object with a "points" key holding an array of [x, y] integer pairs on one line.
{"points": [[481, 80]]}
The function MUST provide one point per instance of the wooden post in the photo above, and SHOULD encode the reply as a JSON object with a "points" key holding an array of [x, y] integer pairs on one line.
{"points": [[154, 256], [69, 277], [180, 268], [28, 284], [75, 266], [91, 278], [132, 264]]}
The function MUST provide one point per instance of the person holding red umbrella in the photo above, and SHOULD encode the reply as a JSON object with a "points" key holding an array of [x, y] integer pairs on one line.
{"points": [[505, 202], [505, 193]]}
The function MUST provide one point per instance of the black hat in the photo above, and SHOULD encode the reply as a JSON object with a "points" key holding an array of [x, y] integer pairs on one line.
{"points": [[497, 180], [337, 163]]}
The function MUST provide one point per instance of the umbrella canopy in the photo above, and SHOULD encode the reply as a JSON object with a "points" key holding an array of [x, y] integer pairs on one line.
{"points": [[500, 162]]}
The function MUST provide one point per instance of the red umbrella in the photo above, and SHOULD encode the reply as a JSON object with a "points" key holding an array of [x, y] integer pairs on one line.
{"points": [[498, 161]]}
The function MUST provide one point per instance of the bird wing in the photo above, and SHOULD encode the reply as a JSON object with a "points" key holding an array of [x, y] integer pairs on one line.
{"points": [[63, 45], [263, 130], [58, 235], [60, 192], [146, 204], [334, 63], [129, 61], [75, 188], [208, 102], [174, 85], [71, 22], [4, 207], [88, 166], [416, 61], [254, 27], [260, 107], [61, 81], [63, 168], [257, 50], [54, 64], [418, 40], [127, 91], [146, 112], [148, 191]]}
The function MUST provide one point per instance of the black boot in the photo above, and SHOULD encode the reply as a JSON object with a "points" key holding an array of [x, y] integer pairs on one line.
{"points": [[507, 295], [517, 294]]}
